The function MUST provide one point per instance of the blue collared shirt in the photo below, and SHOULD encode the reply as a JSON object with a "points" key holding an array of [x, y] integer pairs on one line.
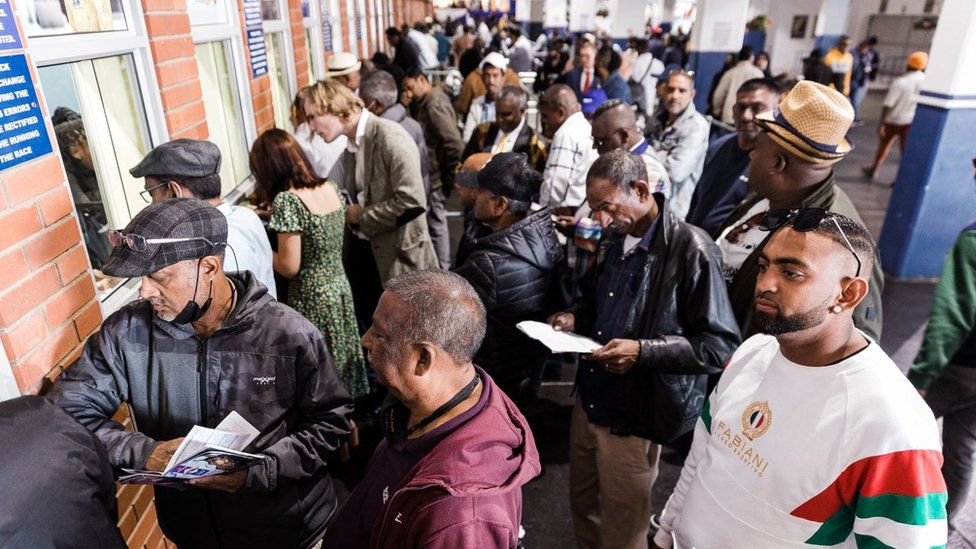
{"points": [[616, 289]]}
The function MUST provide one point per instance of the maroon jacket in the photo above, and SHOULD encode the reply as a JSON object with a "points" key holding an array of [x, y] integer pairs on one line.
{"points": [[467, 493]]}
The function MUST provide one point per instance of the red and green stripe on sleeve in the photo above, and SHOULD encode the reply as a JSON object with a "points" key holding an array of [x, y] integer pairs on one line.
{"points": [[890, 500]]}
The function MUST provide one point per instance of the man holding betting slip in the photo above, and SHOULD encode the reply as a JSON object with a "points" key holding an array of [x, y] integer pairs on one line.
{"points": [[656, 301]]}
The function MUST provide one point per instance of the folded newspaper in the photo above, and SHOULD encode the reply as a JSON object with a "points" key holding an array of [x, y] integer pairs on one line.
{"points": [[557, 341], [204, 452]]}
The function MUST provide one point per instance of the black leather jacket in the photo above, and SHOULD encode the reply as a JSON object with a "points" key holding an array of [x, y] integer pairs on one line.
{"points": [[512, 270], [684, 323]]}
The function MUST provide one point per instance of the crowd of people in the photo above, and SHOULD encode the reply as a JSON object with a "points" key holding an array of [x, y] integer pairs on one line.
{"points": [[730, 283]]}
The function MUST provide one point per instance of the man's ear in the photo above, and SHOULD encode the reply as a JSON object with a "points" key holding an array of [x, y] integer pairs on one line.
{"points": [[642, 190], [779, 166], [424, 354], [853, 292], [211, 265]]}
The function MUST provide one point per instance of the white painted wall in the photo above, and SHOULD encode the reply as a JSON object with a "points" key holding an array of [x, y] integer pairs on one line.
{"points": [[786, 54], [861, 11]]}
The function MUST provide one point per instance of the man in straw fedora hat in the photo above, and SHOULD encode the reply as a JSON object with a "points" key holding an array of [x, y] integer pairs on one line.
{"points": [[345, 68], [792, 168]]}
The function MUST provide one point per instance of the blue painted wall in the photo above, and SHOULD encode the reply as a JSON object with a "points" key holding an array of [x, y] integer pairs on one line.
{"points": [[934, 196], [706, 65]]}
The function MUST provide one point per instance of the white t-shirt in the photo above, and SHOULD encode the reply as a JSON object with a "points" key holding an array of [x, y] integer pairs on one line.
{"points": [[631, 242], [249, 247], [902, 98], [741, 239], [323, 156]]}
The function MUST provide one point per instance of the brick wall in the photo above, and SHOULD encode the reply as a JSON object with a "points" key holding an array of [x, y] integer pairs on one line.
{"points": [[302, 71], [168, 27], [260, 86]]}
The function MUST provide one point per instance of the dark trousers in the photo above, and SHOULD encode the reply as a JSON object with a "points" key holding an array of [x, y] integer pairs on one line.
{"points": [[953, 398], [364, 279]]}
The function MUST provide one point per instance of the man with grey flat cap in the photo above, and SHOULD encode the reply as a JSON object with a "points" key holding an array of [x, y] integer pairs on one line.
{"points": [[190, 168], [198, 345]]}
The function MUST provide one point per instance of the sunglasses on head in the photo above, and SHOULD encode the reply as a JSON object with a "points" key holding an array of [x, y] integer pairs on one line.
{"points": [[139, 243], [805, 220]]}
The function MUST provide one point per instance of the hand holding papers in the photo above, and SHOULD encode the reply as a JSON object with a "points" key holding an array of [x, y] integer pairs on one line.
{"points": [[556, 341], [204, 452]]}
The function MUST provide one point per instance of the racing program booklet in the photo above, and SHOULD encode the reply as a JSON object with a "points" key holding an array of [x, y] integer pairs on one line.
{"points": [[204, 452]]}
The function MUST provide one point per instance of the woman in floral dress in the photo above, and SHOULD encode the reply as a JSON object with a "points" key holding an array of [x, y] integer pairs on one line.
{"points": [[308, 214]]}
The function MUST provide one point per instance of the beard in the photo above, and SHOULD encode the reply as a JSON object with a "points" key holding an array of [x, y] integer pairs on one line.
{"points": [[780, 324]]}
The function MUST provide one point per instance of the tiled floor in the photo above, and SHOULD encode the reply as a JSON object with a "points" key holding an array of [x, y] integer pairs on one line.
{"points": [[906, 306]]}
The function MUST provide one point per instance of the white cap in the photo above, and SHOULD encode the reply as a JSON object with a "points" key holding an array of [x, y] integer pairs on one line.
{"points": [[496, 60]]}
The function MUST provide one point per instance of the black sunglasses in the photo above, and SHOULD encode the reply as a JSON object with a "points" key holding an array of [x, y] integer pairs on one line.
{"points": [[805, 220], [139, 243]]}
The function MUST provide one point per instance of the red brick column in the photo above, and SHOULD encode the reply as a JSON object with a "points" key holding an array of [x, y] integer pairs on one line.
{"points": [[168, 27], [302, 70], [344, 30], [260, 86]]}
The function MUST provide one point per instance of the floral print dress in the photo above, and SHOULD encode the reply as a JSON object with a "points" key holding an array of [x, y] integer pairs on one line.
{"points": [[320, 291]]}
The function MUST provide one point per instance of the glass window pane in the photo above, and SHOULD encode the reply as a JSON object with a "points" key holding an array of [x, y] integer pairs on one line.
{"points": [[270, 9], [309, 44], [306, 8], [281, 97], [207, 12], [52, 17], [101, 129], [224, 118]]}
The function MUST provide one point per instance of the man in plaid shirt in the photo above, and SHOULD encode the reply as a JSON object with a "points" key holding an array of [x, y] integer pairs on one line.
{"points": [[570, 153]]}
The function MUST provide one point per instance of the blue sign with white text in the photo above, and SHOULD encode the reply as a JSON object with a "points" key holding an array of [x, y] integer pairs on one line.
{"points": [[23, 132], [9, 37]]}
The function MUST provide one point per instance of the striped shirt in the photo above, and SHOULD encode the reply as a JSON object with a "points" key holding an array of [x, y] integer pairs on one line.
{"points": [[570, 155], [785, 455]]}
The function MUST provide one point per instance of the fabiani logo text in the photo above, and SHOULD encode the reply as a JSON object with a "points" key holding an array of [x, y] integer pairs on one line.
{"points": [[742, 448]]}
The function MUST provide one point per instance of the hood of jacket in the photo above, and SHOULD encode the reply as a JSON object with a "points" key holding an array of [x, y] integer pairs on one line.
{"points": [[492, 453], [532, 240]]}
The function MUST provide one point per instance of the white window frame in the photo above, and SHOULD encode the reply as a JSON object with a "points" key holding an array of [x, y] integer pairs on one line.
{"points": [[313, 27], [335, 19], [134, 41], [283, 26]]}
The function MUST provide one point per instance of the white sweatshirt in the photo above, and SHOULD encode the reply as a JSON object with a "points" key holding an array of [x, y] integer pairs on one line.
{"points": [[786, 455]]}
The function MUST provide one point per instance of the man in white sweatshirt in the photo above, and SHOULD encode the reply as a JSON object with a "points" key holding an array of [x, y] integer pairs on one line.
{"points": [[813, 437]]}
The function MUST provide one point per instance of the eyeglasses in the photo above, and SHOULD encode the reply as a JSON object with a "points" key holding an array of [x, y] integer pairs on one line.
{"points": [[139, 243], [147, 193], [805, 220]]}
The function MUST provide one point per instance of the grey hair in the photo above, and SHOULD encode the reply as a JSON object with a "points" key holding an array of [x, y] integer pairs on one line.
{"points": [[619, 167], [514, 92], [441, 308], [378, 85]]}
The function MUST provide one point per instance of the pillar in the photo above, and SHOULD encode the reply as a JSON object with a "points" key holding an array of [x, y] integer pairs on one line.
{"points": [[627, 20], [934, 197], [718, 30], [831, 22]]}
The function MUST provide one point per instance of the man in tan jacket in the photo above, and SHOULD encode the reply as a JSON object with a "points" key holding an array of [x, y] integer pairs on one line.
{"points": [[384, 189]]}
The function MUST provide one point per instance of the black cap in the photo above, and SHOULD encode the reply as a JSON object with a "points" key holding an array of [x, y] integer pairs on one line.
{"points": [[176, 218], [509, 175], [180, 158], [469, 179]]}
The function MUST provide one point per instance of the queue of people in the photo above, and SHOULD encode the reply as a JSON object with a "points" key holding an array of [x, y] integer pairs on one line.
{"points": [[730, 287]]}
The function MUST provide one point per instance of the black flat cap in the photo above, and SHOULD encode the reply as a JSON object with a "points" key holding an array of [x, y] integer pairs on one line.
{"points": [[176, 218], [180, 158], [509, 175]]}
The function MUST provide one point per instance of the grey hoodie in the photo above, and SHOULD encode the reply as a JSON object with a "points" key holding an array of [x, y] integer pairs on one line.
{"points": [[269, 364]]}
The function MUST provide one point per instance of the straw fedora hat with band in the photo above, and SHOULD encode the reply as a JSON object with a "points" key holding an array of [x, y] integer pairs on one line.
{"points": [[811, 122], [342, 63]]}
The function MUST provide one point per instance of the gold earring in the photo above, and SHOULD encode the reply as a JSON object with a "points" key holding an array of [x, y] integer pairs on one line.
{"points": [[836, 309]]}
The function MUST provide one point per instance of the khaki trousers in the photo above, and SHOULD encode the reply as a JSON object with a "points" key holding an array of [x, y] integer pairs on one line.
{"points": [[610, 480]]}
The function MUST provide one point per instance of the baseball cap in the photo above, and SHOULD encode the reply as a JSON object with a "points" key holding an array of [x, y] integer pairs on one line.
{"points": [[509, 175], [180, 158], [178, 218], [494, 59]]}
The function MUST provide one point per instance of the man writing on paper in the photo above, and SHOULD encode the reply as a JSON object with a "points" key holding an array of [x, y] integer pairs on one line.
{"points": [[656, 299], [197, 346]]}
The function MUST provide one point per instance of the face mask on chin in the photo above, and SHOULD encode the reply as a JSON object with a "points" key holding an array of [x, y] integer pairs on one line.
{"points": [[193, 311]]}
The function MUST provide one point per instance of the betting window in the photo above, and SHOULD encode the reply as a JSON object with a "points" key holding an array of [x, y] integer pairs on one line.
{"points": [[101, 135], [314, 46], [96, 75], [281, 96], [225, 120]]}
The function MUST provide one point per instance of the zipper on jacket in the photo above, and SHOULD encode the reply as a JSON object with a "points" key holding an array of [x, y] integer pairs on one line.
{"points": [[202, 373]]}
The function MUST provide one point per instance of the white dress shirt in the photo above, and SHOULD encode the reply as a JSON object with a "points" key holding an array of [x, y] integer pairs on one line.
{"points": [[249, 247], [505, 142]]}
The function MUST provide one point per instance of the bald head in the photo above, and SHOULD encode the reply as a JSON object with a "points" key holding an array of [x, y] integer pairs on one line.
{"points": [[614, 127], [475, 162], [556, 105]]}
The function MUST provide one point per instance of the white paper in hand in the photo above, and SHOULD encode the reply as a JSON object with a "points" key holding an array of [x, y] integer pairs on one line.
{"points": [[556, 341]]}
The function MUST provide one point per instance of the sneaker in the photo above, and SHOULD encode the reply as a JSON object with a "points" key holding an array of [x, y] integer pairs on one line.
{"points": [[869, 172]]}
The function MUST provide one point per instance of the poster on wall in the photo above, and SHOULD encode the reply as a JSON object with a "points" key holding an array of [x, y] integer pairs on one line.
{"points": [[255, 37], [799, 27], [23, 132], [9, 37], [326, 26], [206, 12]]}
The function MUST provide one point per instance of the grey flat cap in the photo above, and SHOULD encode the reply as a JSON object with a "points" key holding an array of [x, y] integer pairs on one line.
{"points": [[180, 158]]}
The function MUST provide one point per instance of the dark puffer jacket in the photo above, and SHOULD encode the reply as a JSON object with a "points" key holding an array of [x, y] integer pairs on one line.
{"points": [[512, 271], [266, 362]]}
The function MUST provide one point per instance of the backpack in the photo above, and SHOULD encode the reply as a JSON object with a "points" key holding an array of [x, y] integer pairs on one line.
{"points": [[638, 92]]}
